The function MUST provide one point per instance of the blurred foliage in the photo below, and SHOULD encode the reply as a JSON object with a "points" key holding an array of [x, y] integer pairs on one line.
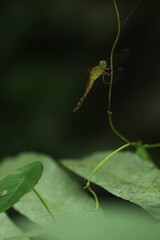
{"points": [[118, 223], [126, 176], [46, 49]]}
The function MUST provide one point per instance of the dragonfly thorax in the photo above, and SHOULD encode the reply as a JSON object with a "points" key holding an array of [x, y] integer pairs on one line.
{"points": [[103, 64]]}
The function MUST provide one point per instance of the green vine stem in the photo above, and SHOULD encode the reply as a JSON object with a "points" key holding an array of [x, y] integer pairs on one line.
{"points": [[95, 170], [103, 161], [136, 144], [112, 52], [156, 145], [44, 203], [113, 128], [96, 200]]}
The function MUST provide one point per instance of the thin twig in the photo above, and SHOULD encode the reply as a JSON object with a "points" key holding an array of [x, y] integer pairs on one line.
{"points": [[44, 203]]}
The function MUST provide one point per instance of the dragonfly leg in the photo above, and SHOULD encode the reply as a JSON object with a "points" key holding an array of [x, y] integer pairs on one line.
{"points": [[107, 73], [103, 74], [104, 81]]}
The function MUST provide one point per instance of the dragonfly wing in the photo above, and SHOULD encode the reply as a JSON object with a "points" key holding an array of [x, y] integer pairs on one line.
{"points": [[118, 74], [120, 57]]}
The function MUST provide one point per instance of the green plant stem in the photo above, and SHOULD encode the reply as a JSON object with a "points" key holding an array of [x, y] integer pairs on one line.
{"points": [[112, 52], [113, 128], [103, 161], [135, 144], [96, 200], [156, 145], [44, 203]]}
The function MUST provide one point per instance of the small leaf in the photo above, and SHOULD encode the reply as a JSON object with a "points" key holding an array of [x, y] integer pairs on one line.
{"points": [[124, 175], [18, 183], [143, 153]]}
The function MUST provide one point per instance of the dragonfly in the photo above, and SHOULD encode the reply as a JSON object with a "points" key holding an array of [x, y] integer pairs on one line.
{"points": [[94, 74], [102, 69]]}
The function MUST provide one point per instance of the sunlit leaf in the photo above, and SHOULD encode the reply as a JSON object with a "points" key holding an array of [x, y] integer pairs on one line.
{"points": [[124, 175]]}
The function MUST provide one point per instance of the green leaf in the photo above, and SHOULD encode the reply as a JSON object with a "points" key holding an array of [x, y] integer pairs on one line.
{"points": [[57, 187], [8, 228], [18, 183], [124, 175]]}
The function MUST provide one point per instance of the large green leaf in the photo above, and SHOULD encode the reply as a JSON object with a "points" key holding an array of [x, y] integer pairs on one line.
{"points": [[18, 183], [124, 175], [60, 191]]}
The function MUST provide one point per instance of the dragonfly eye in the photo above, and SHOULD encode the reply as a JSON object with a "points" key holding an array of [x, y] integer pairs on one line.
{"points": [[103, 64]]}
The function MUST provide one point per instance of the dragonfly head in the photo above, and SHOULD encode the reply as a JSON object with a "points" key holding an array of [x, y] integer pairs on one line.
{"points": [[103, 64]]}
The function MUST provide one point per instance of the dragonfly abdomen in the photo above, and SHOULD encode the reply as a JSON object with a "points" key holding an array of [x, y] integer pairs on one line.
{"points": [[95, 73], [88, 88]]}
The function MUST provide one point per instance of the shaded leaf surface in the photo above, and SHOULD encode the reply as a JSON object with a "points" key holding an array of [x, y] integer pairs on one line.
{"points": [[60, 191], [22, 236], [18, 183], [7, 227], [124, 175]]}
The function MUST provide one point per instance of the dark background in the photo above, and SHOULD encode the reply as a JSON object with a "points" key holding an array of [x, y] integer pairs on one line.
{"points": [[46, 49]]}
